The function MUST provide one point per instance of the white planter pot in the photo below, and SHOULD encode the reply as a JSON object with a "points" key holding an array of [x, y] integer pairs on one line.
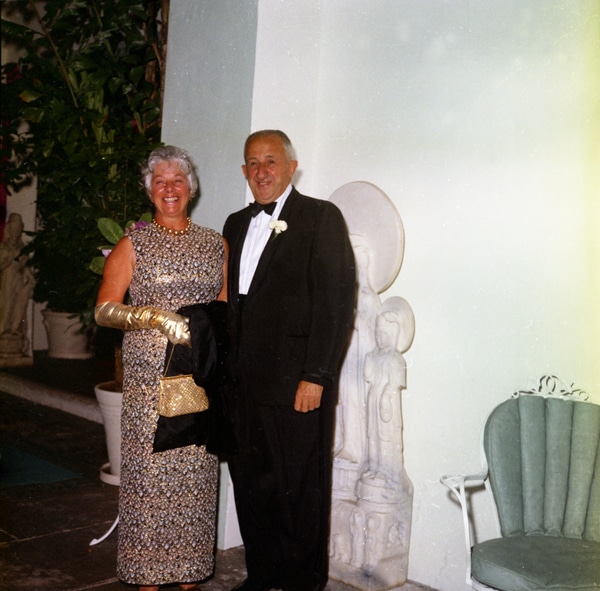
{"points": [[66, 339], [110, 403]]}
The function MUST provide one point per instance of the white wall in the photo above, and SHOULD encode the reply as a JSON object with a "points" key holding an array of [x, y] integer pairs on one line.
{"points": [[208, 97], [480, 121]]}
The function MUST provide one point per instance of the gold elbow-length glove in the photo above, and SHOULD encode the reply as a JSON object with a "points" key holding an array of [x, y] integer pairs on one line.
{"points": [[172, 325]]}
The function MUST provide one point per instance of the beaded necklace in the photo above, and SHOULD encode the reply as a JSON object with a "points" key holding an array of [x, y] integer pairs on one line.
{"points": [[173, 232]]}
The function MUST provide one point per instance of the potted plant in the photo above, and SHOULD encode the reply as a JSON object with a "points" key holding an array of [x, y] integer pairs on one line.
{"points": [[90, 89]]}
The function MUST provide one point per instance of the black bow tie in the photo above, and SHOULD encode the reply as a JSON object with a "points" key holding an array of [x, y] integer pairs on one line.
{"points": [[268, 208]]}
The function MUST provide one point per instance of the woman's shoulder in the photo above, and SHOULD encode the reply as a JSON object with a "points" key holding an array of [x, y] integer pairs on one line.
{"points": [[137, 229]]}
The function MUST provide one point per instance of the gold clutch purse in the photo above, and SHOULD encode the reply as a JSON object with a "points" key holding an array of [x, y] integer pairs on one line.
{"points": [[180, 395]]}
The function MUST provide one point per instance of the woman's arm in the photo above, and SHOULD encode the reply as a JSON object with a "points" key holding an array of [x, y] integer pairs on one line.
{"points": [[110, 310], [118, 272]]}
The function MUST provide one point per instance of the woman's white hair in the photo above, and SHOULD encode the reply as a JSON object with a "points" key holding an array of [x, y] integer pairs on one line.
{"points": [[170, 154]]}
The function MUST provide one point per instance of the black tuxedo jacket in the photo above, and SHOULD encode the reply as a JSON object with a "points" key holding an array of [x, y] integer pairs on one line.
{"points": [[299, 310]]}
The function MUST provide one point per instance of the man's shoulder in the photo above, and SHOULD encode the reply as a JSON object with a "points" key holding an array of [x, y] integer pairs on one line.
{"points": [[234, 219], [312, 203]]}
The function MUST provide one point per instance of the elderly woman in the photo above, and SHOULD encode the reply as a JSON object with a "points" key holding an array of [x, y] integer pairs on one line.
{"points": [[167, 500]]}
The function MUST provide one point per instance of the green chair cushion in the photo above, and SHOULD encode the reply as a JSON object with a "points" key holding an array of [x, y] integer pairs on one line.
{"points": [[528, 563], [543, 456]]}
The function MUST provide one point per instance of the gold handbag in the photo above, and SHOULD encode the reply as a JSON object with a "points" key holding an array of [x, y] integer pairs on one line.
{"points": [[180, 395]]}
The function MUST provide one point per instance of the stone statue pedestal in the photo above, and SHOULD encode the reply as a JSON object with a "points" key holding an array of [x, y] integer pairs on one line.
{"points": [[376, 488], [374, 556], [345, 477], [9, 358]]}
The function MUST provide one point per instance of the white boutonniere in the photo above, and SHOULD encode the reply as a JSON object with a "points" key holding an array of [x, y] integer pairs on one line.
{"points": [[278, 226]]}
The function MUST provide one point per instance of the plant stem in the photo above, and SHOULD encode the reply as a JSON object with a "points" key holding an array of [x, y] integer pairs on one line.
{"points": [[55, 50]]}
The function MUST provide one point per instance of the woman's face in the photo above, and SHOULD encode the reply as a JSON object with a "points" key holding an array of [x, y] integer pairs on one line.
{"points": [[170, 190]]}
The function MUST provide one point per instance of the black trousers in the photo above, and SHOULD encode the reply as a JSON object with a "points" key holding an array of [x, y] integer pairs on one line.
{"points": [[282, 487]]}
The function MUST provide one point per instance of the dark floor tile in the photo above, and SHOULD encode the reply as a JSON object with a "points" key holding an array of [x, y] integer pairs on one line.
{"points": [[46, 528]]}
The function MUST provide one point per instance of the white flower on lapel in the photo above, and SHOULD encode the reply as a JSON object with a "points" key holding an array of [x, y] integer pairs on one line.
{"points": [[278, 226]]}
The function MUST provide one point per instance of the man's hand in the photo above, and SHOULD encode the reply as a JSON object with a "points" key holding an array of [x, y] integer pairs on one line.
{"points": [[308, 396]]}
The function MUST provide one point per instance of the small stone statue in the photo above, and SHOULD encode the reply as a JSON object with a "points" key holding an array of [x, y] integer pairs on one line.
{"points": [[16, 288], [385, 372]]}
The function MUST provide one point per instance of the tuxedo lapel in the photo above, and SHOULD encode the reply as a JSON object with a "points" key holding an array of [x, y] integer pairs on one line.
{"points": [[236, 252]]}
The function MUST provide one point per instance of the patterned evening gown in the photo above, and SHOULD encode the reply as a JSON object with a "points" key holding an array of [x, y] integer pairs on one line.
{"points": [[167, 500]]}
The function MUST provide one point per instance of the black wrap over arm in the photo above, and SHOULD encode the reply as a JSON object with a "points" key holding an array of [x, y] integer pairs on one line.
{"points": [[206, 360]]}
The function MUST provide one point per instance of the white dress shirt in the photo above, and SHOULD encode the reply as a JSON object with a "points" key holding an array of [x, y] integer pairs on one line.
{"points": [[256, 239]]}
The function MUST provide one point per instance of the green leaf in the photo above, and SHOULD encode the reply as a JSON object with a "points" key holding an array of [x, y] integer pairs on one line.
{"points": [[97, 265], [110, 230], [115, 83], [29, 96]]}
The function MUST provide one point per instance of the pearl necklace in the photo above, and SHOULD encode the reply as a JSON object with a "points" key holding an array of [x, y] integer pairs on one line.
{"points": [[173, 232]]}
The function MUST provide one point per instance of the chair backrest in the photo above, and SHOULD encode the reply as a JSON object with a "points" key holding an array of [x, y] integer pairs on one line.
{"points": [[544, 466]]}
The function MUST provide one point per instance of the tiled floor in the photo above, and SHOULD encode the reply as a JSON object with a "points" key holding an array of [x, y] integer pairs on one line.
{"points": [[45, 528]]}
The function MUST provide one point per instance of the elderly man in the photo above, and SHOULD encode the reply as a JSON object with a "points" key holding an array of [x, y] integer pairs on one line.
{"points": [[291, 301]]}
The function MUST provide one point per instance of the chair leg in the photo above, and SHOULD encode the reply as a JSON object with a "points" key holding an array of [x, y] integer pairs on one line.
{"points": [[110, 531]]}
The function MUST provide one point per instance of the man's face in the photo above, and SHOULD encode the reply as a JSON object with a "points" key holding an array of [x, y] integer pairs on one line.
{"points": [[267, 168]]}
